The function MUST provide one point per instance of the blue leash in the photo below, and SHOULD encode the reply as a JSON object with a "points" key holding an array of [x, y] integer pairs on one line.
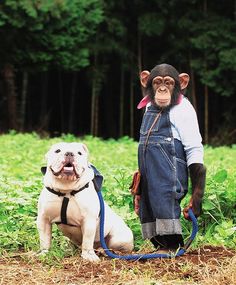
{"points": [[149, 255]]}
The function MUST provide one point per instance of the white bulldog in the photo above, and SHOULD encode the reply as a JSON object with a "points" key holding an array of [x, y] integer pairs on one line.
{"points": [[69, 199]]}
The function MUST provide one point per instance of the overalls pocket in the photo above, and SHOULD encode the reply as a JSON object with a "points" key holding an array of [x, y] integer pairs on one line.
{"points": [[148, 119], [182, 178]]}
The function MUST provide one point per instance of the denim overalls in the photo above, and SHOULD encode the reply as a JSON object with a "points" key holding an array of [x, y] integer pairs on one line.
{"points": [[164, 176]]}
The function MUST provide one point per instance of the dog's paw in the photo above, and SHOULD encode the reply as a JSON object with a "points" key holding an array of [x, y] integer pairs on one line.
{"points": [[90, 255], [42, 252]]}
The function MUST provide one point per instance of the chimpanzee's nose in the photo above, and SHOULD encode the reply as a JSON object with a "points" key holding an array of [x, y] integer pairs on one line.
{"points": [[69, 153], [162, 88]]}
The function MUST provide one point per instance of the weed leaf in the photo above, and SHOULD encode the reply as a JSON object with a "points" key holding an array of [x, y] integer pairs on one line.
{"points": [[220, 176]]}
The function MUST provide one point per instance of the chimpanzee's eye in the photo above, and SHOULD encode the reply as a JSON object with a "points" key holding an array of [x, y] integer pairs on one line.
{"points": [[57, 151], [80, 153], [169, 82], [157, 82]]}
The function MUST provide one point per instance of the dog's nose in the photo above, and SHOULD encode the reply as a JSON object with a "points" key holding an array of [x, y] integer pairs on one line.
{"points": [[69, 153]]}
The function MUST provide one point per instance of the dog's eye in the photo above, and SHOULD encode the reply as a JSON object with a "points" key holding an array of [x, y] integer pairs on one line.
{"points": [[57, 151], [79, 153]]}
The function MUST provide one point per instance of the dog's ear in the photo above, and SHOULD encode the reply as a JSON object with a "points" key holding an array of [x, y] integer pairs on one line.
{"points": [[85, 148], [43, 170]]}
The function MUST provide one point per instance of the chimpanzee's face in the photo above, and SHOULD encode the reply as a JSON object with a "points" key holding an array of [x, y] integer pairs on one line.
{"points": [[163, 88]]}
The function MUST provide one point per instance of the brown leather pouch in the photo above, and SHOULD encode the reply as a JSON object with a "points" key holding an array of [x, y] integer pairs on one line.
{"points": [[135, 185]]}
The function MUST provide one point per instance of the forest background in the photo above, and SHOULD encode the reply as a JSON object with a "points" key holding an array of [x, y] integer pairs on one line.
{"points": [[69, 70], [72, 66]]}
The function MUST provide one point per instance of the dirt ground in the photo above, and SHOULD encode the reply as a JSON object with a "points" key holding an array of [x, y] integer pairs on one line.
{"points": [[208, 265]]}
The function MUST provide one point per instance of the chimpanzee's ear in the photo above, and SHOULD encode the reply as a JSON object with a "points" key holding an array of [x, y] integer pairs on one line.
{"points": [[144, 77], [184, 80]]}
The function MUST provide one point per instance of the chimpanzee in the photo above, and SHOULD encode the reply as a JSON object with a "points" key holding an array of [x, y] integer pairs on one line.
{"points": [[170, 147]]}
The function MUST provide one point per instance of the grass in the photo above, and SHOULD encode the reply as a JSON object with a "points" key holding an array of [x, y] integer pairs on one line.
{"points": [[194, 268], [21, 182], [22, 156]]}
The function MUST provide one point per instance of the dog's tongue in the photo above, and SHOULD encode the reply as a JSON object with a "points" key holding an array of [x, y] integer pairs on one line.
{"points": [[68, 169]]}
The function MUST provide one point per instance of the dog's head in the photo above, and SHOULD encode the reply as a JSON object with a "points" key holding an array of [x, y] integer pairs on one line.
{"points": [[67, 161], [66, 164]]}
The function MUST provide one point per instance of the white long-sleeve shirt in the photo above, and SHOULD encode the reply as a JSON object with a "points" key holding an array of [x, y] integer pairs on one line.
{"points": [[184, 125]]}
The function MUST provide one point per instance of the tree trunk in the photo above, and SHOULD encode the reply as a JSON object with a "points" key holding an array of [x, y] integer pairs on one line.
{"points": [[96, 87], [9, 78], [93, 107], [206, 95], [131, 105], [61, 101], [93, 99], [139, 53], [234, 10], [193, 89], [23, 100], [121, 123], [44, 116], [96, 117], [72, 102], [205, 7]]}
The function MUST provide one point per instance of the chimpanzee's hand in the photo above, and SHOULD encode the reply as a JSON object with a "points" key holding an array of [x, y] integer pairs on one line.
{"points": [[136, 202], [195, 205], [186, 209]]}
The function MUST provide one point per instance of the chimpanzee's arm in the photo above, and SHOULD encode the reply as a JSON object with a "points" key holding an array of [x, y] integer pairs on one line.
{"points": [[198, 179]]}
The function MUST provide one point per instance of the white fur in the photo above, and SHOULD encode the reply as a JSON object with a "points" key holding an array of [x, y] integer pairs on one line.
{"points": [[83, 208]]}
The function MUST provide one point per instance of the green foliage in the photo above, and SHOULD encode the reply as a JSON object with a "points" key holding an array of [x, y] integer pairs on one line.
{"points": [[217, 223], [21, 183], [40, 34], [213, 41], [151, 24]]}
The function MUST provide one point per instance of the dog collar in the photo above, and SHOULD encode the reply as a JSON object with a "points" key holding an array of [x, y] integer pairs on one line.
{"points": [[73, 192]]}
